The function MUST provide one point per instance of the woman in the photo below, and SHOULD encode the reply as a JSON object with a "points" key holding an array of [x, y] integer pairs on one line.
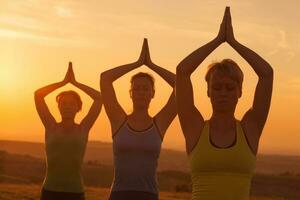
{"points": [[66, 141], [222, 150], [137, 137]]}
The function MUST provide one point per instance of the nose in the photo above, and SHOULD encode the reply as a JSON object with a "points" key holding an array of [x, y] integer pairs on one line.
{"points": [[223, 92]]}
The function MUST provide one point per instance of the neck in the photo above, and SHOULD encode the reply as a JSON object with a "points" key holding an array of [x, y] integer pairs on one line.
{"points": [[140, 113], [66, 122], [222, 117]]}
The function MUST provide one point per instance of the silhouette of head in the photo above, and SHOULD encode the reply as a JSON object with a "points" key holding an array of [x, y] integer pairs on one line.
{"points": [[69, 103], [142, 89], [224, 84]]}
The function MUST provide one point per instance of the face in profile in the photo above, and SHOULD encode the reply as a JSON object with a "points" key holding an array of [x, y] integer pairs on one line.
{"points": [[223, 92], [68, 106], [141, 92]]}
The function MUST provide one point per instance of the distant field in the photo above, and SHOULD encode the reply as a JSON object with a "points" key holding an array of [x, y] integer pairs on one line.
{"points": [[169, 159], [23, 167], [31, 192], [27, 170]]}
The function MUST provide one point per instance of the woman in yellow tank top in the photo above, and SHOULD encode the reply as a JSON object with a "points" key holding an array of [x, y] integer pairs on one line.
{"points": [[66, 141], [222, 150]]}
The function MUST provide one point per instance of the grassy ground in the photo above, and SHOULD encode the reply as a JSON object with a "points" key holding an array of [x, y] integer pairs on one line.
{"points": [[31, 192]]}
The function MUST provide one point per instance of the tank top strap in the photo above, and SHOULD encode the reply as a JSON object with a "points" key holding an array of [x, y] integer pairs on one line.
{"points": [[202, 140], [157, 129], [204, 137], [124, 123], [240, 137], [242, 141]]}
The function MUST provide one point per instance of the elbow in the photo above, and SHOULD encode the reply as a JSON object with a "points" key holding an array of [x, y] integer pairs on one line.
{"points": [[269, 73], [97, 96], [37, 94], [103, 78], [181, 70], [105, 81]]}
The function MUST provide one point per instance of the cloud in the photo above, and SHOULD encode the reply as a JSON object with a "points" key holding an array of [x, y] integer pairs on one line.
{"points": [[282, 47], [92, 21], [40, 21], [294, 83], [63, 12], [275, 40], [66, 22], [42, 39], [291, 88]]}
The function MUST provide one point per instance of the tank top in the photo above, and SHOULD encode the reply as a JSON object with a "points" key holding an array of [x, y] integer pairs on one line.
{"points": [[135, 159], [65, 154], [221, 173]]}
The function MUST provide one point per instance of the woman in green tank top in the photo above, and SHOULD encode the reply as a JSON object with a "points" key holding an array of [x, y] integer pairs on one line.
{"points": [[222, 150], [66, 141]]}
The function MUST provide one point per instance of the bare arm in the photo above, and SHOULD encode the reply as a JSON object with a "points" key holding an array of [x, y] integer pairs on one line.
{"points": [[88, 121], [168, 76], [190, 118], [113, 109], [41, 106], [263, 93], [166, 115]]}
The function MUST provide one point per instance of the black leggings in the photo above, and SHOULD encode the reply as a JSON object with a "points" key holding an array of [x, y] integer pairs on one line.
{"points": [[51, 195], [132, 195]]}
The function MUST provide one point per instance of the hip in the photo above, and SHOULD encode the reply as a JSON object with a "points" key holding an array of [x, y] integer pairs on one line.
{"points": [[50, 195], [136, 195]]}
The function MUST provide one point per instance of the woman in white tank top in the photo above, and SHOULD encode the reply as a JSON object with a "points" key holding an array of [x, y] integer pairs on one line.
{"points": [[137, 137]]}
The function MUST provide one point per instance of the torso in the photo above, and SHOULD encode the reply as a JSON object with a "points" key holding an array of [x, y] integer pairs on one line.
{"points": [[140, 124], [136, 153], [216, 163], [65, 150], [137, 123], [223, 138]]}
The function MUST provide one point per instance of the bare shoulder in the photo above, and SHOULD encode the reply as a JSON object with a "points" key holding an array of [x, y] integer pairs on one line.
{"points": [[117, 124], [192, 135], [251, 131], [52, 128]]}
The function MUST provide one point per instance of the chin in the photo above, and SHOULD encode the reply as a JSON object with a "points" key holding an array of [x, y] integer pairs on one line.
{"points": [[68, 116], [222, 108], [141, 105]]}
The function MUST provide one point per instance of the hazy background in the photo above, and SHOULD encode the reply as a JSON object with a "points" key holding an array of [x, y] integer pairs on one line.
{"points": [[39, 38]]}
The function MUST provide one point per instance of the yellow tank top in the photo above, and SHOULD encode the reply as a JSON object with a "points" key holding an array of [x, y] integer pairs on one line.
{"points": [[65, 154], [221, 173]]}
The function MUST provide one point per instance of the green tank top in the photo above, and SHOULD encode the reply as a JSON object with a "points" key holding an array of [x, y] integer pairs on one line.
{"points": [[221, 173], [65, 154]]}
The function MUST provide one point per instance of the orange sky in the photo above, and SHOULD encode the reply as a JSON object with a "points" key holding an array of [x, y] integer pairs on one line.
{"points": [[39, 37]]}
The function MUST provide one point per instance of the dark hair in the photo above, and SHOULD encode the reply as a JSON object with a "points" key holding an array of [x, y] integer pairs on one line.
{"points": [[143, 75], [70, 93], [228, 67]]}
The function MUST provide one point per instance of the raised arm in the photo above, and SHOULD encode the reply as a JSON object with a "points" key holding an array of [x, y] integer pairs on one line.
{"points": [[168, 76], [113, 109], [40, 104], [166, 115], [88, 121], [190, 118], [263, 92]]}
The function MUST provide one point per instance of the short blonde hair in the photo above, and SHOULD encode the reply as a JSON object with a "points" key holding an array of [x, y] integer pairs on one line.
{"points": [[143, 75], [72, 93], [227, 67]]}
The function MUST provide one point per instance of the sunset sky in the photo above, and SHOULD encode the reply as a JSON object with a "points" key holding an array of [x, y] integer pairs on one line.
{"points": [[39, 37]]}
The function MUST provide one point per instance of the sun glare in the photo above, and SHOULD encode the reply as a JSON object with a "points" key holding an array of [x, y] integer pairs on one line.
{"points": [[8, 79]]}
